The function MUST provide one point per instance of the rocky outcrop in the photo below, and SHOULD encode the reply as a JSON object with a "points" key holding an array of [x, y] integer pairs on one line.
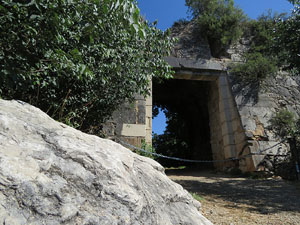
{"points": [[53, 174]]}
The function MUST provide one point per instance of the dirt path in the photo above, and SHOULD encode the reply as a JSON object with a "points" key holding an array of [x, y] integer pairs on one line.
{"points": [[230, 200]]}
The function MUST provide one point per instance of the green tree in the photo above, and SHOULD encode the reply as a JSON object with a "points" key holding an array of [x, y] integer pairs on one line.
{"points": [[287, 39], [260, 61], [284, 123], [78, 60], [219, 20]]}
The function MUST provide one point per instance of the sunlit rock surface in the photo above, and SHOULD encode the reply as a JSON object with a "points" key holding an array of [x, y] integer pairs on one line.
{"points": [[53, 174]]}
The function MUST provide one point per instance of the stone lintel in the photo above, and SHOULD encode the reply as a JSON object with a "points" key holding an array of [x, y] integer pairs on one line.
{"points": [[196, 75], [199, 64]]}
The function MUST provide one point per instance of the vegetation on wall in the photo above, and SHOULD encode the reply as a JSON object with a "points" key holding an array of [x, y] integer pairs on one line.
{"points": [[287, 39], [78, 60], [274, 43], [274, 39], [255, 68], [219, 20], [285, 124], [260, 61]]}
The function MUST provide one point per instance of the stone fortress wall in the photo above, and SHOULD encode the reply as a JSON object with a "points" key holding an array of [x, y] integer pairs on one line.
{"points": [[238, 114]]}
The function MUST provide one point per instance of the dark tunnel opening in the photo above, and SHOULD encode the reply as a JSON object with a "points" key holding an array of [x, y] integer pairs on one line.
{"points": [[187, 134]]}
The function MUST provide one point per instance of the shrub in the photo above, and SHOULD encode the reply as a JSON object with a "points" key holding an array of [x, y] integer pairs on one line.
{"points": [[78, 60], [259, 61], [287, 39], [256, 68], [148, 148], [284, 123], [219, 20]]}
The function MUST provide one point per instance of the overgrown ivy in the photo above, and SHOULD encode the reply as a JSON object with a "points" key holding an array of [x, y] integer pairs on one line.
{"points": [[78, 60]]}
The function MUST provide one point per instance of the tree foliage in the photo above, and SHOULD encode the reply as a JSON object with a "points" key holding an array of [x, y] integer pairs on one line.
{"points": [[256, 68], [284, 123], [174, 142], [219, 20], [260, 61], [78, 60], [287, 39], [275, 43]]}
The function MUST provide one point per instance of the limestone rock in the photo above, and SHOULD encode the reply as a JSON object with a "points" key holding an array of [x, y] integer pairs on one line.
{"points": [[53, 174]]}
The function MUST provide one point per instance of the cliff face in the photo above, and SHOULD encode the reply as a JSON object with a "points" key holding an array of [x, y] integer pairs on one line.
{"points": [[53, 174]]}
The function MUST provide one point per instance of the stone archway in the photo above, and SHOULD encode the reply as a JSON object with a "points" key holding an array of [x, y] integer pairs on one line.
{"points": [[227, 137], [133, 122], [186, 103]]}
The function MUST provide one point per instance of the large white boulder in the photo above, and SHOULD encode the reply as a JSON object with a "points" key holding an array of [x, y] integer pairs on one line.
{"points": [[53, 174]]}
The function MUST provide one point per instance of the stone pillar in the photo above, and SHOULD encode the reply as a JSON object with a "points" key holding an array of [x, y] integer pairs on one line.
{"points": [[227, 115], [216, 139], [148, 137], [235, 143], [132, 122]]}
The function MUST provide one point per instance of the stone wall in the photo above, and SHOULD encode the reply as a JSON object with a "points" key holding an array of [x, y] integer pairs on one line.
{"points": [[191, 44], [228, 138], [257, 105], [239, 113], [216, 139], [253, 106], [132, 122]]}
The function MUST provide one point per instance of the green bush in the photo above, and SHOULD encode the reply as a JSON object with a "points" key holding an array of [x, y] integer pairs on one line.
{"points": [[148, 148], [284, 123], [78, 60], [219, 20], [287, 39], [256, 68], [260, 62], [262, 32]]}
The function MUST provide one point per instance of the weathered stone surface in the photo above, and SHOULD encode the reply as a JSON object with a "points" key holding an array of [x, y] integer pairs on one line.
{"points": [[191, 43], [53, 174], [200, 64], [256, 103]]}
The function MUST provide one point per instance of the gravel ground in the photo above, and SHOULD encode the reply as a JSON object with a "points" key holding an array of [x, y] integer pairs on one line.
{"points": [[228, 200]]}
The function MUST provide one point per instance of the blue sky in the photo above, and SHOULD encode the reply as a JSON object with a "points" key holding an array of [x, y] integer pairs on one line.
{"points": [[169, 11]]}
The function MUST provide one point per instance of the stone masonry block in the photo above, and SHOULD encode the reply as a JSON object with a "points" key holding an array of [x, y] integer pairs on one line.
{"points": [[149, 100], [240, 137], [228, 140], [148, 111], [222, 81], [227, 128], [229, 151], [237, 125]]}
